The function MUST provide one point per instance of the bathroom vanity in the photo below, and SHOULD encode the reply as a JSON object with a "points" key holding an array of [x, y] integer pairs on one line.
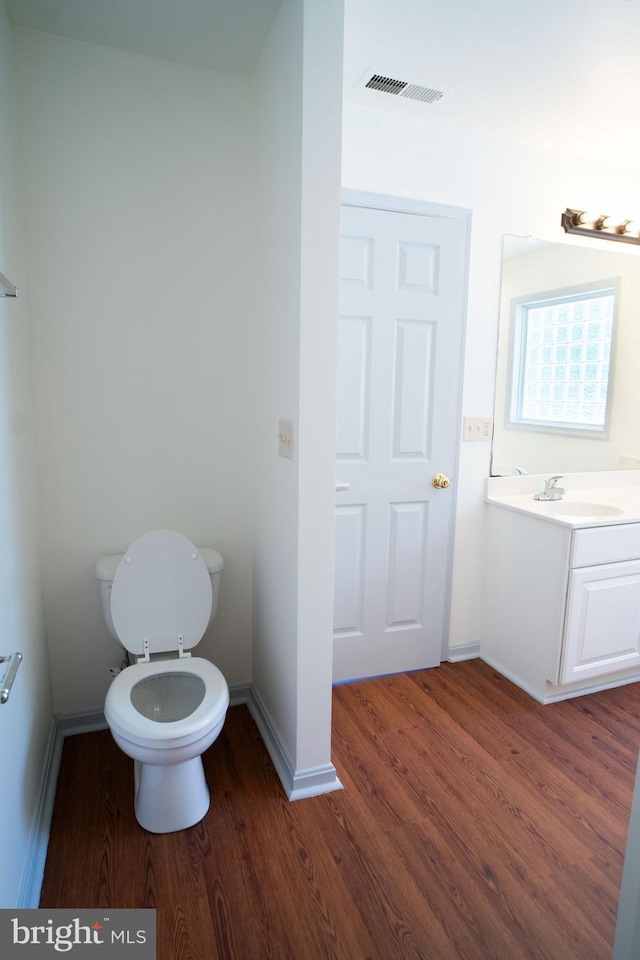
{"points": [[562, 583]]}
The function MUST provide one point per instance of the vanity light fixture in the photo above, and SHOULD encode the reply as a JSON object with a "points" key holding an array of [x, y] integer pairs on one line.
{"points": [[7, 289], [598, 225]]}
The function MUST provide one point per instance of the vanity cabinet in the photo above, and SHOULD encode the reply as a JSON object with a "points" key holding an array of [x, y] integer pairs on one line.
{"points": [[602, 628], [562, 604]]}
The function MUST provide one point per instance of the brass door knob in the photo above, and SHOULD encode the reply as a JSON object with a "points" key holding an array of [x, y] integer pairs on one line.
{"points": [[440, 481]]}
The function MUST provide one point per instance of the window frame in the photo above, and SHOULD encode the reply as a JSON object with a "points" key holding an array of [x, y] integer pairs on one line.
{"points": [[517, 348]]}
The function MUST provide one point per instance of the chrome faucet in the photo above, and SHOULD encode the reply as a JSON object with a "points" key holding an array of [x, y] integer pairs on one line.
{"points": [[551, 491]]}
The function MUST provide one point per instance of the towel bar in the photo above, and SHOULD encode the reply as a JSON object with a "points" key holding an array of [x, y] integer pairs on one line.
{"points": [[14, 660], [7, 289]]}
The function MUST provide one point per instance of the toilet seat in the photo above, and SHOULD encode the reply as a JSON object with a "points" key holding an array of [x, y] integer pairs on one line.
{"points": [[124, 719], [161, 594]]}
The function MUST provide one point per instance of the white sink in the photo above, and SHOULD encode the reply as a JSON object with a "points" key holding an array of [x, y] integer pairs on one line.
{"points": [[591, 500], [576, 508]]}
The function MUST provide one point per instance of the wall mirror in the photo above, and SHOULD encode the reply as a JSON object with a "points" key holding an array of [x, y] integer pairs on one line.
{"points": [[567, 381]]}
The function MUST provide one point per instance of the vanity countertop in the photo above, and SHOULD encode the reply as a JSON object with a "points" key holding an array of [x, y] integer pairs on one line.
{"points": [[590, 499]]}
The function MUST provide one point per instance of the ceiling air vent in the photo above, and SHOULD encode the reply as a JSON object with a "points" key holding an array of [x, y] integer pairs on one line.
{"points": [[399, 88]]}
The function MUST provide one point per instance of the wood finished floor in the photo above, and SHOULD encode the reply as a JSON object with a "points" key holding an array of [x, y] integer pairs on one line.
{"points": [[474, 824]]}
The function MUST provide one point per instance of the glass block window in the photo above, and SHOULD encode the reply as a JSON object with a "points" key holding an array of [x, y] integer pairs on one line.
{"points": [[562, 359]]}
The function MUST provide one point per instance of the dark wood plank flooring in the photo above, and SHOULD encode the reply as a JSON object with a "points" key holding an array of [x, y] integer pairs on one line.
{"points": [[474, 823]]}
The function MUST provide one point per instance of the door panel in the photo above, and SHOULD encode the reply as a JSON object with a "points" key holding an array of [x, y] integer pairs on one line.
{"points": [[603, 620], [407, 554], [412, 400], [349, 593], [354, 376], [402, 282]]}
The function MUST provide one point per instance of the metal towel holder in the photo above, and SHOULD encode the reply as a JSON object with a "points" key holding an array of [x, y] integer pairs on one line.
{"points": [[7, 289], [14, 660]]}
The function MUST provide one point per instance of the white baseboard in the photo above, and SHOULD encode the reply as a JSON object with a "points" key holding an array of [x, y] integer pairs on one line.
{"points": [[513, 678], [239, 693], [297, 784], [464, 651], [87, 721], [61, 727], [313, 782], [33, 873], [554, 694]]}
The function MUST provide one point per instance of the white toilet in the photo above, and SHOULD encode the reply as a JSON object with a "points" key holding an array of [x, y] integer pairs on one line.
{"points": [[166, 709]]}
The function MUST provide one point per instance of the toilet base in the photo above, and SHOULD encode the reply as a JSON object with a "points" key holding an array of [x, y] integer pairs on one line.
{"points": [[170, 797]]}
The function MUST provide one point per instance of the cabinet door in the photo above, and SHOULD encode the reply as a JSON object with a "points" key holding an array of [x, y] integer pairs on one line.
{"points": [[602, 629]]}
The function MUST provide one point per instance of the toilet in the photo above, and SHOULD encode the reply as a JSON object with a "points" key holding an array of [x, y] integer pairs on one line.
{"points": [[168, 707]]}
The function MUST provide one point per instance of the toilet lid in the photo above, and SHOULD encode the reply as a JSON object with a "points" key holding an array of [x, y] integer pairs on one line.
{"points": [[161, 591]]}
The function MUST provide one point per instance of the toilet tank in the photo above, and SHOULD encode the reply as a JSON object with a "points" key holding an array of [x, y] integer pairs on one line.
{"points": [[106, 569]]}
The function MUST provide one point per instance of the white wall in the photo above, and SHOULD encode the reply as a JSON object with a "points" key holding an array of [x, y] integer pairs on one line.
{"points": [[278, 104], [320, 229], [510, 188], [139, 212], [26, 718], [143, 227], [556, 268], [298, 92]]}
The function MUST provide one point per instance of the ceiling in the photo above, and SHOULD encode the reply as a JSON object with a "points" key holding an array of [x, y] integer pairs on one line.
{"points": [[223, 35], [560, 73], [547, 71]]}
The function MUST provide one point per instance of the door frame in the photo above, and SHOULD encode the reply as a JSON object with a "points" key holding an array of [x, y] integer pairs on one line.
{"points": [[424, 208]]}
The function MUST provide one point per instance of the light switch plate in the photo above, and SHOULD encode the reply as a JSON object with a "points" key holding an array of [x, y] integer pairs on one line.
{"points": [[477, 428], [285, 438]]}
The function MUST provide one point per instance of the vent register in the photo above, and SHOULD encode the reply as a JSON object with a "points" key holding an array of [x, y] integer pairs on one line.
{"points": [[399, 88]]}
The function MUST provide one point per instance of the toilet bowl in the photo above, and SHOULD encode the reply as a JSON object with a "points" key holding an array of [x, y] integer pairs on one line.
{"points": [[166, 709]]}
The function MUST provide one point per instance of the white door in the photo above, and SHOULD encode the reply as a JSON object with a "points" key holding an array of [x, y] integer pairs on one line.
{"points": [[402, 303]]}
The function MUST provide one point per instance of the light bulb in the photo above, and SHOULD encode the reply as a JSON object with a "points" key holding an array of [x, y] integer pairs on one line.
{"points": [[583, 218]]}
